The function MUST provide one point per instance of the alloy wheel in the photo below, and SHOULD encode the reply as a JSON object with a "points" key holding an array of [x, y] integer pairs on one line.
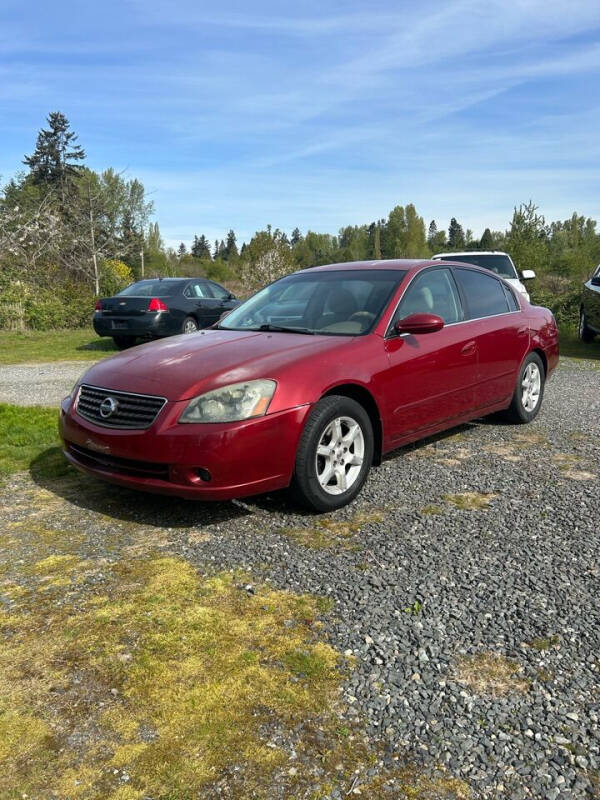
{"points": [[531, 386], [340, 455]]}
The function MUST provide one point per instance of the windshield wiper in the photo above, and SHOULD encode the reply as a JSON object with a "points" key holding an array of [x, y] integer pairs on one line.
{"points": [[283, 329]]}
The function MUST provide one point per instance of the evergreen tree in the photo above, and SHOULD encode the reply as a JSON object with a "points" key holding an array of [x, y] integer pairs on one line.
{"points": [[181, 250], [487, 242], [296, 237], [216, 249], [456, 235], [54, 162], [230, 252]]}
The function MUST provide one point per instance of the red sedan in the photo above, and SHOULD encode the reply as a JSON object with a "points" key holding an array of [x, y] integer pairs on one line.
{"points": [[310, 381]]}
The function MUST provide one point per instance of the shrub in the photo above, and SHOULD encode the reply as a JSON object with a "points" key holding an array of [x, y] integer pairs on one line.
{"points": [[114, 276]]}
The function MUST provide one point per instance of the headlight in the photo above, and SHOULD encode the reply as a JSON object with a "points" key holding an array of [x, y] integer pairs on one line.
{"points": [[231, 403]]}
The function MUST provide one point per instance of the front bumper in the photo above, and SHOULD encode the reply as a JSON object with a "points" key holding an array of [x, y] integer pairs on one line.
{"points": [[242, 458]]}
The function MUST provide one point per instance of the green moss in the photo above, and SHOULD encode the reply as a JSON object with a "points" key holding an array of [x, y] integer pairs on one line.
{"points": [[471, 501], [545, 643], [330, 533]]}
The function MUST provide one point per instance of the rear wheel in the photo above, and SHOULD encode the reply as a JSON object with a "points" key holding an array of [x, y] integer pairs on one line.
{"points": [[123, 342], [529, 391], [585, 333], [334, 454], [189, 325]]}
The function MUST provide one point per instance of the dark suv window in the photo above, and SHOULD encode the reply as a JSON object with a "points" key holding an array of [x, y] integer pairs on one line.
{"points": [[484, 294]]}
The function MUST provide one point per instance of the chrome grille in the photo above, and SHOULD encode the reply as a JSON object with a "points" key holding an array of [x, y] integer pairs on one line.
{"points": [[113, 409]]}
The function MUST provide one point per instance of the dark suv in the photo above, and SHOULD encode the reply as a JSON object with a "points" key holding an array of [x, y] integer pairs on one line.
{"points": [[589, 313], [161, 307]]}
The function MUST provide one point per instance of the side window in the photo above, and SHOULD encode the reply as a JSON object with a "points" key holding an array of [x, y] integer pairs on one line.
{"points": [[513, 303], [484, 294], [200, 290], [432, 292], [218, 291], [188, 292]]}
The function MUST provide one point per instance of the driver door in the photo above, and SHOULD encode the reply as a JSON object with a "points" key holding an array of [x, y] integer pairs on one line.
{"points": [[432, 376]]}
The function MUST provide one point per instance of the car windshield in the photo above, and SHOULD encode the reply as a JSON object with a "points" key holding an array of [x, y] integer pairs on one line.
{"points": [[151, 288], [495, 262], [330, 302]]}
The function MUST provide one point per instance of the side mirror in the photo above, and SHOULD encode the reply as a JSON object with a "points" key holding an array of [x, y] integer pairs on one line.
{"points": [[419, 323], [231, 296], [527, 275], [225, 314]]}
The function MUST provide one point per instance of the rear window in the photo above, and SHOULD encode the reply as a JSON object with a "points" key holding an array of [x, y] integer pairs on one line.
{"points": [[151, 288], [500, 264], [484, 295]]}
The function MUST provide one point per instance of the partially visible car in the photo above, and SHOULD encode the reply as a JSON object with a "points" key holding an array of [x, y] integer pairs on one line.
{"points": [[158, 307], [589, 311], [311, 381], [496, 261]]}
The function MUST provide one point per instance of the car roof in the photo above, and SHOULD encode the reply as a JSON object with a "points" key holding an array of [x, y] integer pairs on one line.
{"points": [[471, 253], [383, 263]]}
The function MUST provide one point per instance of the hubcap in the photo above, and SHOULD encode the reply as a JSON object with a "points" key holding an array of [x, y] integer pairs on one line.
{"points": [[340, 455], [530, 387], [190, 326]]}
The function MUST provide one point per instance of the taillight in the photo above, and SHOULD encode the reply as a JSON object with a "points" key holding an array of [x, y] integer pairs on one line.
{"points": [[156, 304], [98, 305]]}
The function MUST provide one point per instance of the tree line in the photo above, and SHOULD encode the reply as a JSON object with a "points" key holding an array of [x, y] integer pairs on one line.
{"points": [[68, 233]]}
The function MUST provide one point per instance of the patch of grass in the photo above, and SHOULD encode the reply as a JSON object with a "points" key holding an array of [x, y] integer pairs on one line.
{"points": [[42, 346], [545, 643], [432, 510], [414, 609], [26, 433], [490, 673], [471, 501], [327, 533], [163, 677], [544, 675], [571, 346]]}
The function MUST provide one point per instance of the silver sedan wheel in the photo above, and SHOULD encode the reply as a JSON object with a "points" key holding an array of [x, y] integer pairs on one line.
{"points": [[340, 455], [190, 326], [531, 387]]}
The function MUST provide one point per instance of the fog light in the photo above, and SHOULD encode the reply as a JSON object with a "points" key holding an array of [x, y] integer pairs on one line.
{"points": [[204, 474]]}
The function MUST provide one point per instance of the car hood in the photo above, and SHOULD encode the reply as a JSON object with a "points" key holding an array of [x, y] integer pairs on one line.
{"points": [[182, 367]]}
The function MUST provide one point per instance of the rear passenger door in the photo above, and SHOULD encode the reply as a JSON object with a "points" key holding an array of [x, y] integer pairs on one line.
{"points": [[500, 330], [203, 303]]}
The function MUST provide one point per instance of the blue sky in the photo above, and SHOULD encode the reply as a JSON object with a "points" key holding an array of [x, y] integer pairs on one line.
{"points": [[316, 114]]}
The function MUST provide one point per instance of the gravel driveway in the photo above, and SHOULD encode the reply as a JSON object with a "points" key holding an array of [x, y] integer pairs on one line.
{"points": [[39, 384], [465, 581]]}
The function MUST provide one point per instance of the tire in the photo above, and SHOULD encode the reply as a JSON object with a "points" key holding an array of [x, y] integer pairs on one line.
{"points": [[332, 419], [529, 391], [585, 334], [189, 325], [123, 342]]}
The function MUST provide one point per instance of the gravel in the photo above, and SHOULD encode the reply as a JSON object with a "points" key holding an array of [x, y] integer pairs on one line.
{"points": [[431, 585], [39, 384]]}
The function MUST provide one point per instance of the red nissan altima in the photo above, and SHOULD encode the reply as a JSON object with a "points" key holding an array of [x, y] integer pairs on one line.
{"points": [[309, 382]]}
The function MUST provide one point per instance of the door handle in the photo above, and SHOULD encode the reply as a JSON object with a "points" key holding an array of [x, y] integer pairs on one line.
{"points": [[469, 349]]}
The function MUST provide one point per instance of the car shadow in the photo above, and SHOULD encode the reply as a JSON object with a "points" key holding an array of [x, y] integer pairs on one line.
{"points": [[50, 471], [98, 346], [437, 437]]}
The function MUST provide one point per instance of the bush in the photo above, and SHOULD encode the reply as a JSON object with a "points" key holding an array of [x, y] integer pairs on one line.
{"points": [[66, 306], [114, 276], [564, 302]]}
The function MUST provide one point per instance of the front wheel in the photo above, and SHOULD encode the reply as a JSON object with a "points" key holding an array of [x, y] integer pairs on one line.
{"points": [[585, 334], [123, 342], [334, 455], [529, 391]]}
